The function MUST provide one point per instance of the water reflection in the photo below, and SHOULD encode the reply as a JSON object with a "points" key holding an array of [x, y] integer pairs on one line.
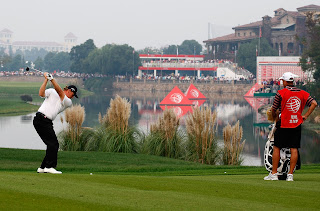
{"points": [[26, 118], [18, 132]]}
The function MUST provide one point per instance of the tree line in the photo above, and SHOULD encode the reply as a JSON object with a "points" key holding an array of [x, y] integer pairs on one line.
{"points": [[111, 59]]}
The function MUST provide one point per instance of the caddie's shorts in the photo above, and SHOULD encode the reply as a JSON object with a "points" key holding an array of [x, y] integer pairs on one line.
{"points": [[287, 137]]}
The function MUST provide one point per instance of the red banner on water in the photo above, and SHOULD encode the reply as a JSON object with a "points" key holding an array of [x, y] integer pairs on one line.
{"points": [[193, 93], [176, 97], [197, 102], [252, 90], [256, 103], [178, 110]]}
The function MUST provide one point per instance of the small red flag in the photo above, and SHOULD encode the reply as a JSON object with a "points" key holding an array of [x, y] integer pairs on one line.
{"points": [[260, 33]]}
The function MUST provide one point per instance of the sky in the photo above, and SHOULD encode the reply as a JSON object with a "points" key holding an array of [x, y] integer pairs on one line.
{"points": [[138, 23]]}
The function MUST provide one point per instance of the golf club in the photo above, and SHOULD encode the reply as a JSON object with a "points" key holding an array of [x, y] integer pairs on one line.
{"points": [[35, 70], [32, 68]]}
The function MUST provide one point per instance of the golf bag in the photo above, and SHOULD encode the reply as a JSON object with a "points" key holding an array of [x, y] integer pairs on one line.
{"points": [[285, 154]]}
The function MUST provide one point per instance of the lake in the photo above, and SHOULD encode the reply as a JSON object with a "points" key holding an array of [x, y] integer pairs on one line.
{"points": [[18, 131]]}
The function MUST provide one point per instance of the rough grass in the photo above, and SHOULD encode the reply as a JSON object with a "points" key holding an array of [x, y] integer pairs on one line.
{"points": [[142, 182]]}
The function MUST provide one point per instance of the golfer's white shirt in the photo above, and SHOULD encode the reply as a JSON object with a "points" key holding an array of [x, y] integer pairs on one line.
{"points": [[52, 105]]}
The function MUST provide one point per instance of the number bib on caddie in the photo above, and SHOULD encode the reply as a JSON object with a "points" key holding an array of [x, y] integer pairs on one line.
{"points": [[292, 105]]}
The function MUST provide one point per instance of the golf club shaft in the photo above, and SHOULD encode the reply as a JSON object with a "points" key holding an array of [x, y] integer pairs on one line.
{"points": [[39, 71]]}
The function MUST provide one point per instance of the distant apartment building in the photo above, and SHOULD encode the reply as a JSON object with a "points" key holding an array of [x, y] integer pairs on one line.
{"points": [[280, 31], [7, 42]]}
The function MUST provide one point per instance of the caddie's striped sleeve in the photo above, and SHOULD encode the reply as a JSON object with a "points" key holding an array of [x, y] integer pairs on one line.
{"points": [[277, 102], [309, 100]]}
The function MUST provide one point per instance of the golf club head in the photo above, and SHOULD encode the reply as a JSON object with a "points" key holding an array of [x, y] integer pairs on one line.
{"points": [[27, 69]]}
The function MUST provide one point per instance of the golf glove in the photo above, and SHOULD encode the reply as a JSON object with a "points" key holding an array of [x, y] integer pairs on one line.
{"points": [[49, 77]]}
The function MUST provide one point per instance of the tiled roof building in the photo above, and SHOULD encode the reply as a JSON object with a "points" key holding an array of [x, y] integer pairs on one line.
{"points": [[280, 31]]}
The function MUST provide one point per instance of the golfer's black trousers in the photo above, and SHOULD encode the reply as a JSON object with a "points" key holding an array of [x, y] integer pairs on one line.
{"points": [[44, 128]]}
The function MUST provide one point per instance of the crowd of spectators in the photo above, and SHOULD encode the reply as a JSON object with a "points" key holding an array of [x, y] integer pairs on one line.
{"points": [[272, 86], [55, 74], [189, 60], [197, 63], [186, 78]]}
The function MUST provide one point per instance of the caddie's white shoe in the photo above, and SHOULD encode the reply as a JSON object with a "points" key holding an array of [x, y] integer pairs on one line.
{"points": [[271, 177], [51, 171], [40, 170], [290, 177]]}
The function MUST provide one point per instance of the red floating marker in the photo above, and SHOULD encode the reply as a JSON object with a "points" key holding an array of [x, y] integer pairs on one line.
{"points": [[176, 98], [252, 90], [178, 110], [193, 93]]}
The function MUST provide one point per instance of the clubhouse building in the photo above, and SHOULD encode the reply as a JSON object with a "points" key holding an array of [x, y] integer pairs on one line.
{"points": [[7, 42], [280, 31]]}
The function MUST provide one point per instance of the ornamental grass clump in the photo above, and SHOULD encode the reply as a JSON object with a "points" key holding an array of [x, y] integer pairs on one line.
{"points": [[75, 138], [115, 134], [164, 138], [118, 114], [201, 143], [233, 144]]}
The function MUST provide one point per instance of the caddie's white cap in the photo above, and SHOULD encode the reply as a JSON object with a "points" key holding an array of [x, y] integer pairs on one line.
{"points": [[288, 76]]}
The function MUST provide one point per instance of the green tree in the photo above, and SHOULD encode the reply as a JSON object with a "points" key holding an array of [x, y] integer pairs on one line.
{"points": [[150, 50], [113, 59], [49, 62], [171, 49], [310, 59], [79, 53], [33, 54], [57, 61], [246, 55], [16, 63], [5, 59], [190, 47], [62, 61], [2, 52], [39, 63]]}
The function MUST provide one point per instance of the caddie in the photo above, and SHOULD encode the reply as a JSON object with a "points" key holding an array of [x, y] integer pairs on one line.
{"points": [[290, 101]]}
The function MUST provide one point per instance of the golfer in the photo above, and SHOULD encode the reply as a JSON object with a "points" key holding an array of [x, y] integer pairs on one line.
{"points": [[56, 101], [291, 102]]}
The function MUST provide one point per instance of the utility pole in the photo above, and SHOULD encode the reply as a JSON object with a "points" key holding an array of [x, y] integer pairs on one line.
{"points": [[194, 62], [132, 64]]}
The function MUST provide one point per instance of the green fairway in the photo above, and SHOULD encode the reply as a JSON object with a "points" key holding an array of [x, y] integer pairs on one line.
{"points": [[15, 106], [142, 182], [10, 92], [19, 88]]}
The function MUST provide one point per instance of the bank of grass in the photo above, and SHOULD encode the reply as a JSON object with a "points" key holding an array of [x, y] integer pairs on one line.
{"points": [[123, 181], [11, 88], [15, 106], [10, 92]]}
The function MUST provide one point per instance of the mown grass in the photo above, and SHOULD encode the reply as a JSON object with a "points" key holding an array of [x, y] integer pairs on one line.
{"points": [[123, 181], [9, 88], [15, 106], [10, 92]]}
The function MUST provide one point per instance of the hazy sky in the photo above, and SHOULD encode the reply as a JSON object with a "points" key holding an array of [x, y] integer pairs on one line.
{"points": [[139, 23]]}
